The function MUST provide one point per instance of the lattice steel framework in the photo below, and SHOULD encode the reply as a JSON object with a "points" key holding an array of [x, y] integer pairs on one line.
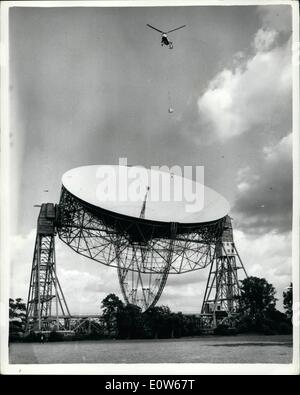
{"points": [[141, 288], [143, 255], [46, 302], [222, 292]]}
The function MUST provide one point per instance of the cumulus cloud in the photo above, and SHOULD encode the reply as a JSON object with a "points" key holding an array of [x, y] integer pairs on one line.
{"points": [[253, 98], [251, 93], [264, 194]]}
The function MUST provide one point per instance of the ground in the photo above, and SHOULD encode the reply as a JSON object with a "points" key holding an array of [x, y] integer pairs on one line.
{"points": [[203, 349]]}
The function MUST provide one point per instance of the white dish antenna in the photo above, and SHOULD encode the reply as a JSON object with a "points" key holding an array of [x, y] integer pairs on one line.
{"points": [[122, 189]]}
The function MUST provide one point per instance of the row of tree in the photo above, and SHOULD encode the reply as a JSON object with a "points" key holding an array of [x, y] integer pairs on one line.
{"points": [[128, 321], [257, 313]]}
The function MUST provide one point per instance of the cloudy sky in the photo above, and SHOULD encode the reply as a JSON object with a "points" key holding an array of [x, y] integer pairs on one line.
{"points": [[91, 85]]}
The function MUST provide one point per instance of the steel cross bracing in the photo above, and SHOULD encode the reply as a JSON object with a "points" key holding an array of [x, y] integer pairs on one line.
{"points": [[144, 253], [46, 302], [91, 236], [143, 259], [221, 297], [140, 288]]}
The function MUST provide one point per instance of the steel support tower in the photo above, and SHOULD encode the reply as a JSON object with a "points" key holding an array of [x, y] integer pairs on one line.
{"points": [[144, 256], [46, 305], [222, 291]]}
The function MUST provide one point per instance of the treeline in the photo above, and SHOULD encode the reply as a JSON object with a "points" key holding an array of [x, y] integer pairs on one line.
{"points": [[257, 313], [129, 322]]}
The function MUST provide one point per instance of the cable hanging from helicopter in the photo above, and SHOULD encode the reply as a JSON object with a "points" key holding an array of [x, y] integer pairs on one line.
{"points": [[165, 41]]}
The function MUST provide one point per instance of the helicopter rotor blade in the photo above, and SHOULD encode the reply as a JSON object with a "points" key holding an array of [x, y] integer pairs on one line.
{"points": [[155, 28], [177, 28]]}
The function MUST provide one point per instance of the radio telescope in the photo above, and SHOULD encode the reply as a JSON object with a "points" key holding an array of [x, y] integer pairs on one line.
{"points": [[148, 224]]}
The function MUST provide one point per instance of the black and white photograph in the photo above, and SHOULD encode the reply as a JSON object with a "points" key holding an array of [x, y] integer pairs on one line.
{"points": [[149, 187]]}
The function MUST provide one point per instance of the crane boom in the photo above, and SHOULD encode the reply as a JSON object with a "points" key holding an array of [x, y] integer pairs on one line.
{"points": [[142, 215]]}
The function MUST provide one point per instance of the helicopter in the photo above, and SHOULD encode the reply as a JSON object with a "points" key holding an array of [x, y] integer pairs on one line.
{"points": [[164, 36]]}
